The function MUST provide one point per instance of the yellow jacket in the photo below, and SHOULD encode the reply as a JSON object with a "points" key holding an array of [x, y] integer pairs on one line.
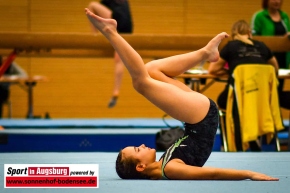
{"points": [[255, 89]]}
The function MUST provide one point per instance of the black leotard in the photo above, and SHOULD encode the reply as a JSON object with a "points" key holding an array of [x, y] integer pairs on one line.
{"points": [[195, 147]]}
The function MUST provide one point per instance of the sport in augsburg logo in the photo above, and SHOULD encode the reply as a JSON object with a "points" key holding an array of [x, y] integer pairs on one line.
{"points": [[51, 175]]}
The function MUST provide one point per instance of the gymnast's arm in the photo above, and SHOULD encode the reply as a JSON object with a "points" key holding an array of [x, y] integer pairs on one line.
{"points": [[180, 171]]}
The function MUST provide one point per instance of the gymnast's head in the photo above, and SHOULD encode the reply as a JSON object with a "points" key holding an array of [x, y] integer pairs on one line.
{"points": [[134, 162]]}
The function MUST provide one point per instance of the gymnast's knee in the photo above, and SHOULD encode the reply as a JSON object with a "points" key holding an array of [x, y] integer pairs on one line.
{"points": [[152, 69]]}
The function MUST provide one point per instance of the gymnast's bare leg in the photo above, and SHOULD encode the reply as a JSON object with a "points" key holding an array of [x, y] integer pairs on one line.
{"points": [[104, 12], [168, 94]]}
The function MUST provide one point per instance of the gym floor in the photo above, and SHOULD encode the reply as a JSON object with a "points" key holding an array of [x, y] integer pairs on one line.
{"points": [[276, 164]]}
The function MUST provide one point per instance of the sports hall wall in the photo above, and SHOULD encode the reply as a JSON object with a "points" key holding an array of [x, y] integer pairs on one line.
{"points": [[81, 87]]}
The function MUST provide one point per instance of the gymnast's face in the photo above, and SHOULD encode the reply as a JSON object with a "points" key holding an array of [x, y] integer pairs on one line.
{"points": [[144, 154]]}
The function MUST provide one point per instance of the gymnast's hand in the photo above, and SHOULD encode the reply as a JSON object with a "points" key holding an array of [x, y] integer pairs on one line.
{"points": [[255, 176]]}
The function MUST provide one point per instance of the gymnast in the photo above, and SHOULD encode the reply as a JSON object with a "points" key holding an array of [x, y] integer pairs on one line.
{"points": [[155, 81]]}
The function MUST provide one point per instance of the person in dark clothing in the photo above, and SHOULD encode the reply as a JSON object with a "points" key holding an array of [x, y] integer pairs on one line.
{"points": [[120, 11], [241, 50], [272, 21]]}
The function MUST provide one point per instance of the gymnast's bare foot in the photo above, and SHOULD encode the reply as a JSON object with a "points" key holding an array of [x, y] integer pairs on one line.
{"points": [[103, 25], [212, 47]]}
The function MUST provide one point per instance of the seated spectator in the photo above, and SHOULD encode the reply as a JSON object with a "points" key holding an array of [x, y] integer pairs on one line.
{"points": [[241, 50], [272, 21]]}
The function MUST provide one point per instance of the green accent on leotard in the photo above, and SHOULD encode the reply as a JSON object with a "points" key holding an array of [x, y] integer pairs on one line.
{"points": [[168, 155]]}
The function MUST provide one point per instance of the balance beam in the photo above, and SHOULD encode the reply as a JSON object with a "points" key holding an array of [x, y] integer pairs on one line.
{"points": [[89, 53], [26, 40], [88, 44]]}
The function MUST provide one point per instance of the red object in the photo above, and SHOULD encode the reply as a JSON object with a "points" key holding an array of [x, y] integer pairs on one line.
{"points": [[7, 62], [226, 66]]}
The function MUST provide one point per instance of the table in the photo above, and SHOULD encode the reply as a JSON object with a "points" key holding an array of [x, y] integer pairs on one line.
{"points": [[29, 83], [197, 76]]}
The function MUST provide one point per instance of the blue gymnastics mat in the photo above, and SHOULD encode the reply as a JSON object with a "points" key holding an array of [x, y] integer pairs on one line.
{"points": [[94, 123], [85, 135], [273, 164], [89, 123]]}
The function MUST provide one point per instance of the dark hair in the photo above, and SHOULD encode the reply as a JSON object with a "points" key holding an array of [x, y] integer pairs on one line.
{"points": [[126, 168], [265, 4]]}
